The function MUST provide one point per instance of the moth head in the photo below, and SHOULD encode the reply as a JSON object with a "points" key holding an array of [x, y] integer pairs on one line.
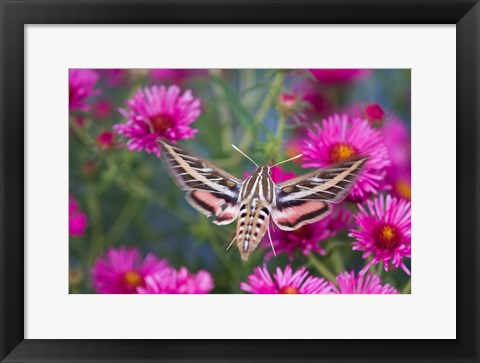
{"points": [[265, 168]]}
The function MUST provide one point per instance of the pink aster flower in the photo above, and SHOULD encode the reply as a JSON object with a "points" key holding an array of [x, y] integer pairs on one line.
{"points": [[285, 282], [307, 239], [339, 76], [288, 101], [171, 281], [401, 182], [106, 140], [77, 220], [338, 139], [158, 112], [384, 231], [81, 83], [362, 284], [373, 112], [279, 175], [397, 140], [122, 270]]}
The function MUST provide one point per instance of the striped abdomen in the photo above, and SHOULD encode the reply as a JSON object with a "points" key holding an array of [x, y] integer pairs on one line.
{"points": [[256, 198], [251, 226]]}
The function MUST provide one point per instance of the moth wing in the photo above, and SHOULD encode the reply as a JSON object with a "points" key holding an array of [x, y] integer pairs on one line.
{"points": [[213, 204], [330, 184], [306, 199], [210, 190], [296, 215]]}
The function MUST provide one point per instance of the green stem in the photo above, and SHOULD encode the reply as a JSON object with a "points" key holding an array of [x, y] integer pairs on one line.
{"points": [[122, 222], [271, 97], [96, 225], [224, 114], [247, 80], [407, 289], [321, 268], [337, 261]]}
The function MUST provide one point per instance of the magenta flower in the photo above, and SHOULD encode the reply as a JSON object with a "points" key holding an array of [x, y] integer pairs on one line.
{"points": [[171, 281], [339, 76], [288, 100], [285, 282], [307, 238], [400, 180], [77, 220], [362, 284], [279, 175], [372, 112], [290, 105], [122, 270], [384, 231], [81, 83], [338, 139], [158, 112], [106, 140], [397, 140]]}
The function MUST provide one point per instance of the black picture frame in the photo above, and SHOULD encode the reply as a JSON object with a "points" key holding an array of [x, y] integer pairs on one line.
{"points": [[16, 14]]}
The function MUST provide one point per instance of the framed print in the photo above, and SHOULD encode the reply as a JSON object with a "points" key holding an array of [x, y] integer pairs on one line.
{"points": [[214, 160]]}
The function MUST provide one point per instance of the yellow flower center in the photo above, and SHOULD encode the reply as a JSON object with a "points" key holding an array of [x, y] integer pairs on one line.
{"points": [[289, 290], [404, 189], [387, 236], [341, 152], [133, 279], [161, 123]]}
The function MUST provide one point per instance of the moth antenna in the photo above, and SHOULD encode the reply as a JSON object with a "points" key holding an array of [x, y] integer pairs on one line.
{"points": [[271, 243], [231, 243], [284, 161], [241, 152]]}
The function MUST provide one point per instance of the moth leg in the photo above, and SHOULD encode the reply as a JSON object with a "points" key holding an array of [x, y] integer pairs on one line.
{"points": [[270, 238], [231, 243]]}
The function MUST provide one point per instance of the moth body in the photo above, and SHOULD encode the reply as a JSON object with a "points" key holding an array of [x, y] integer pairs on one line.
{"points": [[257, 199]]}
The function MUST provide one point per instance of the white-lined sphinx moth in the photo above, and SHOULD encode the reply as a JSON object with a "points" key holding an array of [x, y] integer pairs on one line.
{"points": [[291, 204]]}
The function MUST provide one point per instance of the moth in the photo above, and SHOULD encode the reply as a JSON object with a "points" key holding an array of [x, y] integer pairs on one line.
{"points": [[257, 199]]}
